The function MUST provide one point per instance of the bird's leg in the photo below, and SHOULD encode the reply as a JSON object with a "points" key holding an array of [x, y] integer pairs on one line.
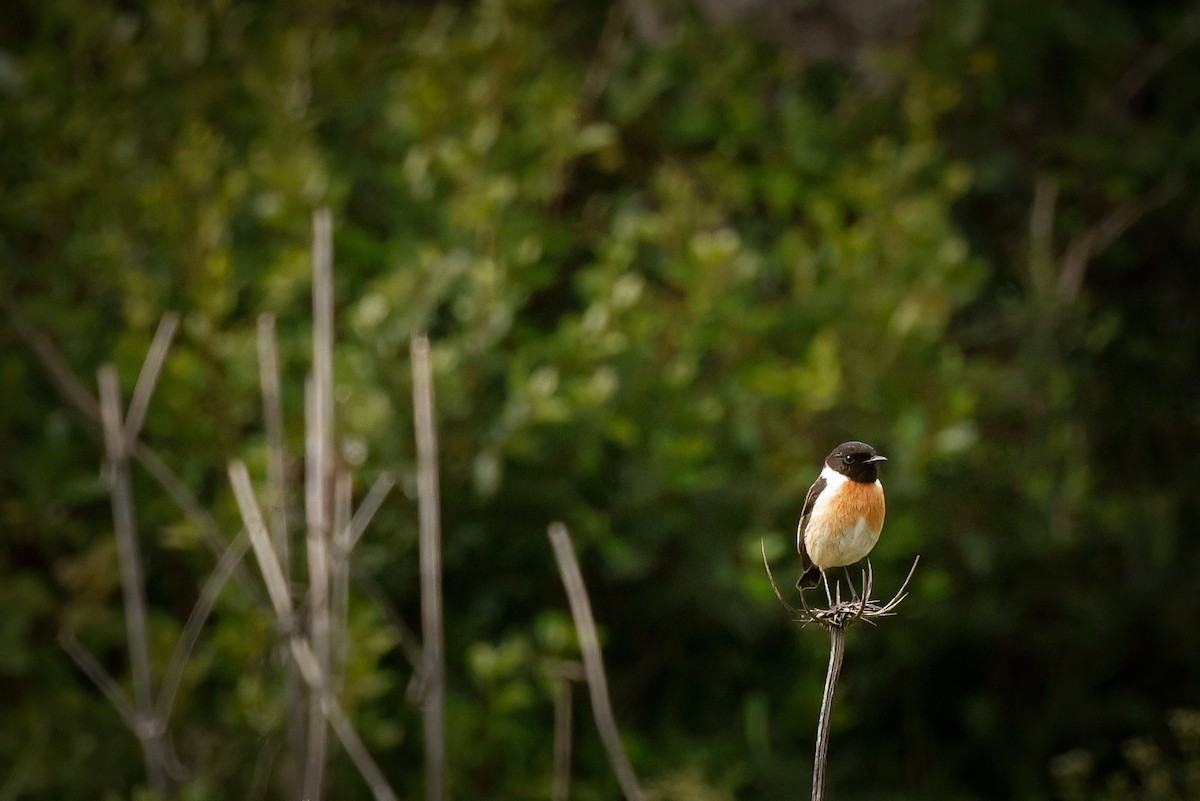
{"points": [[828, 594]]}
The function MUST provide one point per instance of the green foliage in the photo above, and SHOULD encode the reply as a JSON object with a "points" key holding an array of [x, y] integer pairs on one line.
{"points": [[661, 281]]}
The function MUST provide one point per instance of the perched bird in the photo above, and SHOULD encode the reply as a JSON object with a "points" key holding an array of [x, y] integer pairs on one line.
{"points": [[843, 512]]}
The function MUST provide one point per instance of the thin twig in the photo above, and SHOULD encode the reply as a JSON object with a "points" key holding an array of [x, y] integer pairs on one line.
{"points": [[837, 645], [133, 589], [318, 585], [56, 367], [81, 399], [195, 623], [563, 674], [340, 580], [269, 381], [302, 653], [593, 662], [837, 617], [260, 539], [367, 509], [430, 545], [561, 787], [100, 677], [342, 727], [319, 485], [143, 390], [179, 492]]}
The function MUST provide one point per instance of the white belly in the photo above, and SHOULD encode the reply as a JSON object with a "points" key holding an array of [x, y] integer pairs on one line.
{"points": [[833, 549]]}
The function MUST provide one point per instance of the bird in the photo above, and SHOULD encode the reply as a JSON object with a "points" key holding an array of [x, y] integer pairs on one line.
{"points": [[843, 512]]}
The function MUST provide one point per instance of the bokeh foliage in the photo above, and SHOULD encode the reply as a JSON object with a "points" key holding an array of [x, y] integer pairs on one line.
{"points": [[663, 274]]}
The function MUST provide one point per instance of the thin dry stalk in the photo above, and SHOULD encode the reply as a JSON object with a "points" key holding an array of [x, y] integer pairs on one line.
{"points": [[268, 561], [147, 379], [340, 590], [319, 486], [317, 512], [563, 675], [561, 788], [433, 673], [269, 381], [593, 662], [149, 728], [195, 623], [302, 653], [367, 509], [837, 617], [85, 404], [837, 646], [105, 683], [342, 727]]}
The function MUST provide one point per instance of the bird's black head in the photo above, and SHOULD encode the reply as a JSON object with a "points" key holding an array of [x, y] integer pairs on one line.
{"points": [[857, 461]]}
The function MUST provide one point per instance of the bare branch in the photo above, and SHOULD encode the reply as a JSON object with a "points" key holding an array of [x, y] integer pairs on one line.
{"points": [[143, 390], [264, 552], [301, 652], [81, 399], [837, 645], [434, 673], [319, 485], [593, 662], [133, 588], [56, 367], [837, 617], [340, 590], [342, 727], [195, 623], [269, 381], [99, 676], [317, 512], [560, 789], [367, 509]]}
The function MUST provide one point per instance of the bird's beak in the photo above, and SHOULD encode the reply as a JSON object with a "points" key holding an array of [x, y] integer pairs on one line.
{"points": [[875, 459]]}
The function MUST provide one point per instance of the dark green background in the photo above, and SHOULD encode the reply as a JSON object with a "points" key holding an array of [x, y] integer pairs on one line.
{"points": [[669, 255]]}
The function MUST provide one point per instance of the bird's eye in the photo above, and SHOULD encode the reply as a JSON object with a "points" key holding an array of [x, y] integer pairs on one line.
{"points": [[848, 458]]}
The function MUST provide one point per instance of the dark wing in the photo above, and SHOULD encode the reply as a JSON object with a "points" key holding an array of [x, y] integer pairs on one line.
{"points": [[811, 576], [809, 501]]}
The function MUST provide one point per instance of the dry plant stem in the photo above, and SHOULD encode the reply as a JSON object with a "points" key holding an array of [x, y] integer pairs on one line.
{"points": [[561, 784], [195, 623], [319, 488], [340, 581], [367, 509], [837, 617], [593, 662], [302, 653], [116, 446], [433, 674], [139, 402], [269, 381], [75, 393], [837, 645], [100, 677]]}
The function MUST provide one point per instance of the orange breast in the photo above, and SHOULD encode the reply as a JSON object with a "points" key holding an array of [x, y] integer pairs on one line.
{"points": [[857, 501]]}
